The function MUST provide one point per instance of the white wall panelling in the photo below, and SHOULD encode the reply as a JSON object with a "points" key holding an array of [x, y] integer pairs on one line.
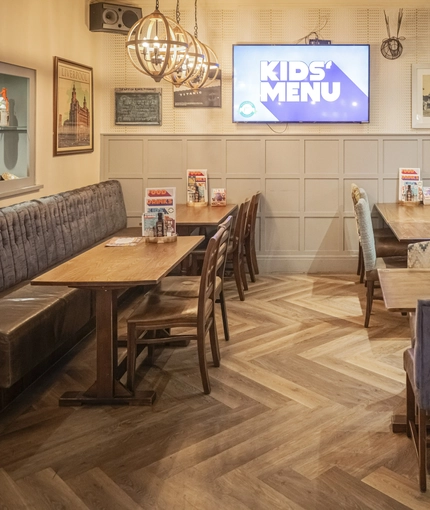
{"points": [[306, 220], [305, 171]]}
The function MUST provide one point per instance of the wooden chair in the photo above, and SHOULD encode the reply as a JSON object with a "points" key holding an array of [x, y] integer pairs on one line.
{"points": [[371, 262], [235, 251], [188, 286], [386, 243], [160, 312], [416, 362], [249, 241]]}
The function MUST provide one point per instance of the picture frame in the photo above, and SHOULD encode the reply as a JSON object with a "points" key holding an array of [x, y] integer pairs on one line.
{"points": [[207, 97], [73, 108], [138, 106], [421, 96]]}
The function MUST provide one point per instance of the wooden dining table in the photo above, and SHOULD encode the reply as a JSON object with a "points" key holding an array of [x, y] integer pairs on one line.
{"points": [[107, 270], [401, 288], [188, 218], [407, 222]]}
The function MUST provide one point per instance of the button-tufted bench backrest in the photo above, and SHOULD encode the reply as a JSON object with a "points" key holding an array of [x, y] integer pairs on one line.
{"points": [[37, 234]]}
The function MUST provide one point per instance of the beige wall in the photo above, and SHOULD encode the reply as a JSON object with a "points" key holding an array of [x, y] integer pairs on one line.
{"points": [[32, 33]]}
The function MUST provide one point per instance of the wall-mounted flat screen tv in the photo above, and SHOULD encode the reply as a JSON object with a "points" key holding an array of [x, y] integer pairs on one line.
{"points": [[301, 83]]}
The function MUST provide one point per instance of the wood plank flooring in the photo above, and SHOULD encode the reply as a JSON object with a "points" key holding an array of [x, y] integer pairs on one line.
{"points": [[298, 418]]}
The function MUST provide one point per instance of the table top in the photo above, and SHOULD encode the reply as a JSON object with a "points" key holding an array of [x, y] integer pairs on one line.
{"points": [[205, 215], [408, 222], [120, 266], [401, 288]]}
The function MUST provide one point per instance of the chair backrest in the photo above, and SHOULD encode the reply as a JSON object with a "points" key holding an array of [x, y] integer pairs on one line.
{"points": [[222, 251], [355, 194], [422, 354], [251, 217], [363, 194], [240, 225], [419, 254], [206, 301], [365, 227]]}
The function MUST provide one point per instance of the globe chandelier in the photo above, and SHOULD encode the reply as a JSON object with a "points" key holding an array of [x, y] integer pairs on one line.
{"points": [[156, 45], [193, 61], [208, 70]]}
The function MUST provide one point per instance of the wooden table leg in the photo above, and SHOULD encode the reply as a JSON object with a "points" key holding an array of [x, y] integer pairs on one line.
{"points": [[106, 390], [398, 423]]}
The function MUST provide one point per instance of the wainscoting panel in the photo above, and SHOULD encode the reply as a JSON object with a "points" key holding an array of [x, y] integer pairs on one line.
{"points": [[305, 219]]}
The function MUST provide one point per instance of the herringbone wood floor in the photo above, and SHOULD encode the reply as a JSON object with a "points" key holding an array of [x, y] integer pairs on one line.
{"points": [[298, 418]]}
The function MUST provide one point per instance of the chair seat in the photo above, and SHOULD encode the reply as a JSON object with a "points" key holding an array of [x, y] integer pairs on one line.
{"points": [[184, 286], [385, 263], [172, 311]]}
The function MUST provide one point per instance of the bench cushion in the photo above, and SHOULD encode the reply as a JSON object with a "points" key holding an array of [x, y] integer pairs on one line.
{"points": [[35, 321]]}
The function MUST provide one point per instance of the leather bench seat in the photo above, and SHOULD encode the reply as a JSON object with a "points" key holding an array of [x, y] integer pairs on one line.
{"points": [[35, 321], [39, 324]]}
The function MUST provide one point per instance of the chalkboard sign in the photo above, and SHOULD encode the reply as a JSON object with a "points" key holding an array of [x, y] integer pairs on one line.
{"points": [[138, 106]]}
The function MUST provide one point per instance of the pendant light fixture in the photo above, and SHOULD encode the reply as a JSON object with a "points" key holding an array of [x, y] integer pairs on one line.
{"points": [[193, 60], [156, 45], [207, 72]]}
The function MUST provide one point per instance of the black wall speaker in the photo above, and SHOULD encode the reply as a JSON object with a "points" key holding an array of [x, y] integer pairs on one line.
{"points": [[113, 18]]}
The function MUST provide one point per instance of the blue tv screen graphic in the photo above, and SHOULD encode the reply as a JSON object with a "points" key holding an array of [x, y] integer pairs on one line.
{"points": [[301, 83]]}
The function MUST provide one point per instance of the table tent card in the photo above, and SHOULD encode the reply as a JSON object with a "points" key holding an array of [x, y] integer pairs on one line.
{"points": [[197, 187], [410, 185], [218, 197], [159, 217]]}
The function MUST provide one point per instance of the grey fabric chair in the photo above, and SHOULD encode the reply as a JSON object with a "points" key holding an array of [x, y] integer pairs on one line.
{"points": [[371, 262], [386, 243], [416, 362]]}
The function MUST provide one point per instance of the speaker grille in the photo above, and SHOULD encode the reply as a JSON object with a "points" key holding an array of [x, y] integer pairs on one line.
{"points": [[113, 18]]}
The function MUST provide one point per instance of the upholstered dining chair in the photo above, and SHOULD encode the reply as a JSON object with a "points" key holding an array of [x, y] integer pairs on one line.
{"points": [[371, 262], [249, 241], [162, 312], [416, 362], [418, 257], [235, 251], [386, 243], [188, 286], [419, 254]]}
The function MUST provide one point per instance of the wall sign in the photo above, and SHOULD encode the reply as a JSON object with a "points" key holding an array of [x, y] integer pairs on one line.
{"points": [[134, 106]]}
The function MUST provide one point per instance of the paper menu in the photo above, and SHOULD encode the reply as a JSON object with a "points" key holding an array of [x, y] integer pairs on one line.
{"points": [[159, 201], [410, 185], [197, 186]]}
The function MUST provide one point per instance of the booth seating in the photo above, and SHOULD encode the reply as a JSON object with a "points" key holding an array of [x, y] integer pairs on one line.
{"points": [[416, 362], [40, 324]]}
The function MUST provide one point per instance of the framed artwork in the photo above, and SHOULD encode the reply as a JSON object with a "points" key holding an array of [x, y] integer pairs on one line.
{"points": [[138, 106], [73, 108], [421, 96], [206, 97]]}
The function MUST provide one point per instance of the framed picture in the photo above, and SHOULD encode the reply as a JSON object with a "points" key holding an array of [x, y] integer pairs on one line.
{"points": [[138, 106], [421, 96], [207, 97], [73, 108]]}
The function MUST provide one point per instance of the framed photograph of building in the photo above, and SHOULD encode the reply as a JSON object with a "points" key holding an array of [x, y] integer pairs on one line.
{"points": [[421, 96], [73, 108]]}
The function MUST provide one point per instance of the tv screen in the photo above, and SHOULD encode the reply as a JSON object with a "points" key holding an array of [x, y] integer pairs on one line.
{"points": [[300, 83]]}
